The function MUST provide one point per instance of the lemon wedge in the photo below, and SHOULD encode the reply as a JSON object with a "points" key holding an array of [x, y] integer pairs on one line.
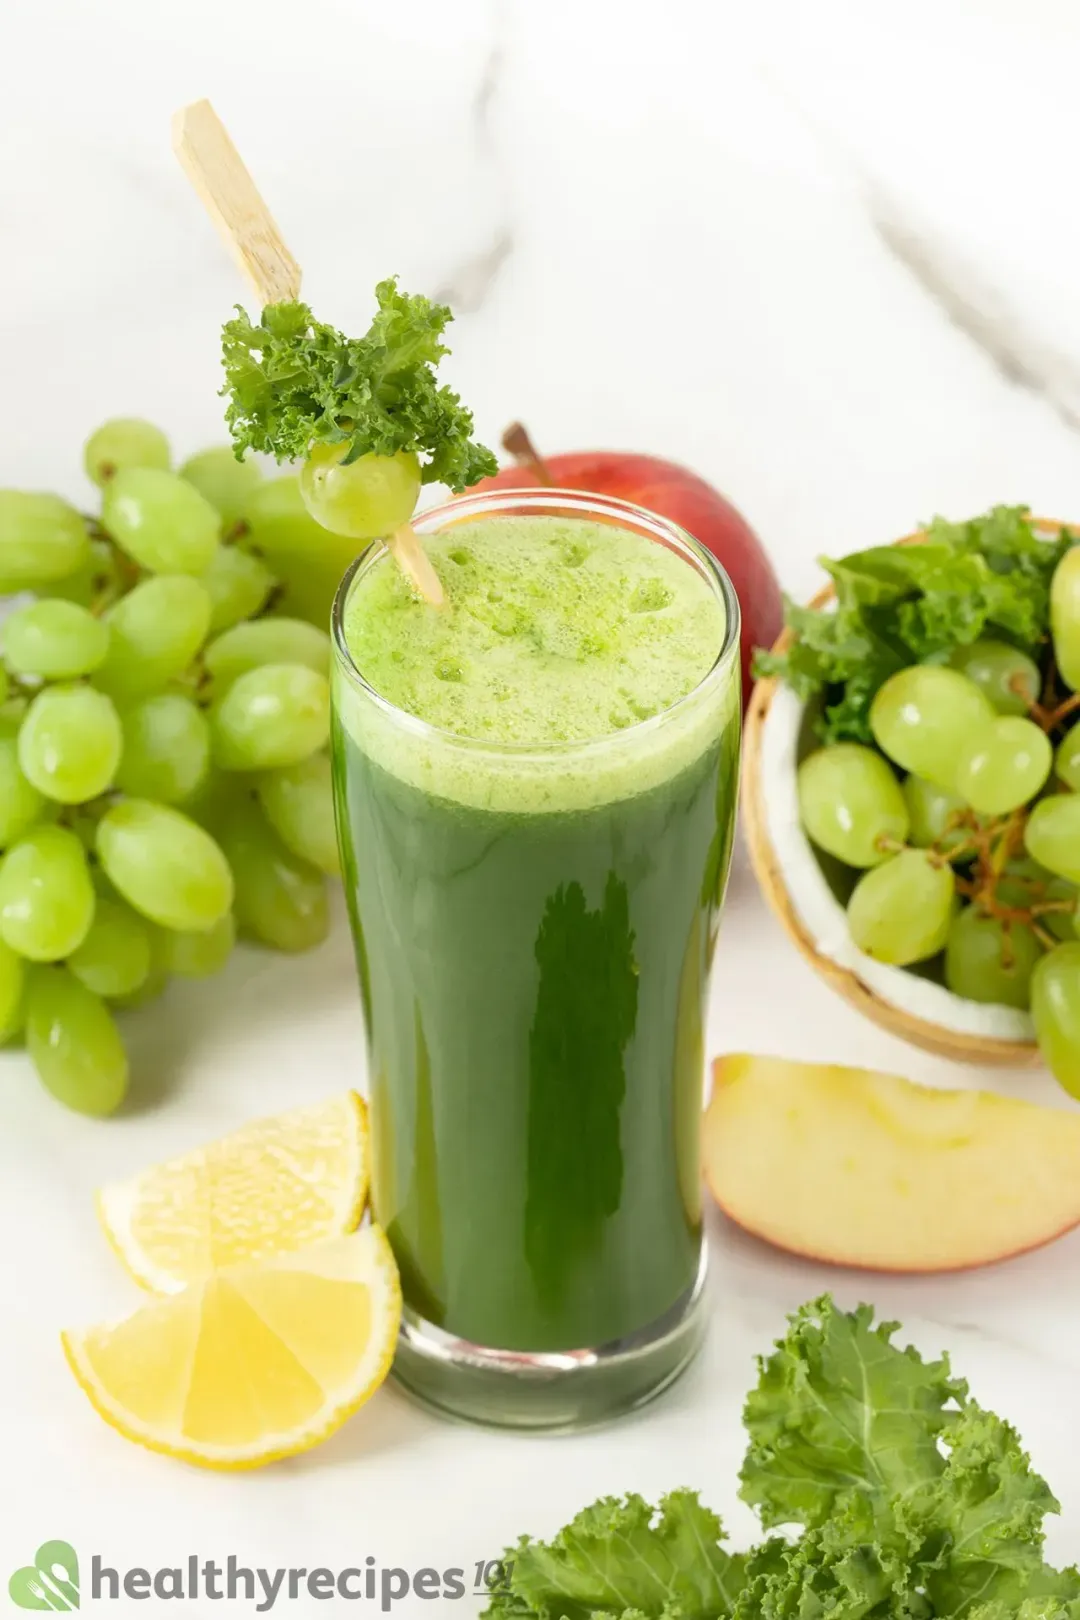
{"points": [[270, 1188], [256, 1362]]}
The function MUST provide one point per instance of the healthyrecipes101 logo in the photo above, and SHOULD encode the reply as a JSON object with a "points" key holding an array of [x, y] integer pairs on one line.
{"points": [[51, 1582]]}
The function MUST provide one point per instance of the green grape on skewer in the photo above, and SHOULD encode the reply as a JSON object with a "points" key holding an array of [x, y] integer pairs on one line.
{"points": [[366, 415]]}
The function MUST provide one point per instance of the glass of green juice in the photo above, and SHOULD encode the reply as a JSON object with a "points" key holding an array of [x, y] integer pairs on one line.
{"points": [[535, 790]]}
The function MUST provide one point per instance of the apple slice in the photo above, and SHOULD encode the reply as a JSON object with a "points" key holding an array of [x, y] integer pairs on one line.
{"points": [[865, 1169]]}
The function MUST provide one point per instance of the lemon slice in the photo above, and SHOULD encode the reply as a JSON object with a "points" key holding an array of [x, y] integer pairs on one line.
{"points": [[270, 1188], [257, 1362]]}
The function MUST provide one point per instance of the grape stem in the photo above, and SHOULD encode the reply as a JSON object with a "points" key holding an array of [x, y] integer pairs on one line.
{"points": [[517, 443], [994, 843], [1047, 711], [1064, 709]]}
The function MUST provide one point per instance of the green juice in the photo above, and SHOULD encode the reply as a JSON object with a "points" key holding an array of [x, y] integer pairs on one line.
{"points": [[535, 791]]}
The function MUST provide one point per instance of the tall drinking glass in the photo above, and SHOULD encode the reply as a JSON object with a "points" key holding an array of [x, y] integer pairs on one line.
{"points": [[534, 926]]}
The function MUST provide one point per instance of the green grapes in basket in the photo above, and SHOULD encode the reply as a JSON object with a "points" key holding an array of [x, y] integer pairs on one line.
{"points": [[942, 785]]}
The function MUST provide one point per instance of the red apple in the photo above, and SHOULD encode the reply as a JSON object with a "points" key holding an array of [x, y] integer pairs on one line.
{"points": [[676, 493]]}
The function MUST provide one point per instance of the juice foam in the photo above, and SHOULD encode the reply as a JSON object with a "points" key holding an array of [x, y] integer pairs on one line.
{"points": [[557, 632]]}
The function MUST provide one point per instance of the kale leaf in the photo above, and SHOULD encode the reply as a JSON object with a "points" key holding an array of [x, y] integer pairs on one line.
{"points": [[292, 381], [899, 605]]}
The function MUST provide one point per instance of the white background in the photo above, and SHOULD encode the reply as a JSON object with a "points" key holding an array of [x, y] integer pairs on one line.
{"points": [[802, 249]]}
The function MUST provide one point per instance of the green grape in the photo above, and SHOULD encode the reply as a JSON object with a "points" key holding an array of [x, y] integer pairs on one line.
{"points": [[12, 987], [42, 539], [70, 742], [166, 749], [46, 896], [922, 716], [20, 802], [164, 865], [226, 483], [298, 802], [214, 798], [1062, 924], [12, 711], [275, 715], [160, 520], [154, 633], [124, 442], [1055, 1007], [280, 900], [157, 978], [95, 575], [1064, 616], [1008, 677], [307, 560], [55, 640], [1067, 759], [364, 499], [987, 960], [239, 585], [850, 803], [900, 912], [114, 958], [198, 956], [1052, 835], [935, 815], [266, 641], [74, 1043], [1003, 765]]}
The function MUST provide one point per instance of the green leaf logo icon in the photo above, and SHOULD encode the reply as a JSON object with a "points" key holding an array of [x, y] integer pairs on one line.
{"points": [[51, 1582]]}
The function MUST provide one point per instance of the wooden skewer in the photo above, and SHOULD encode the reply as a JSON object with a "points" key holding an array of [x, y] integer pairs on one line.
{"points": [[231, 198]]}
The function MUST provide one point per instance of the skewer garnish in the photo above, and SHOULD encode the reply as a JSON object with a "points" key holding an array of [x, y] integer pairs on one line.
{"points": [[367, 414]]}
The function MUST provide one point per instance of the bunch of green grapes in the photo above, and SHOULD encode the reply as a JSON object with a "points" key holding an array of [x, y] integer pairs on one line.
{"points": [[965, 827], [164, 722]]}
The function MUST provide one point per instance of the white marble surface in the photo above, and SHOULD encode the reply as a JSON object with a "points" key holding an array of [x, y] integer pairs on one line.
{"points": [[825, 255]]}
